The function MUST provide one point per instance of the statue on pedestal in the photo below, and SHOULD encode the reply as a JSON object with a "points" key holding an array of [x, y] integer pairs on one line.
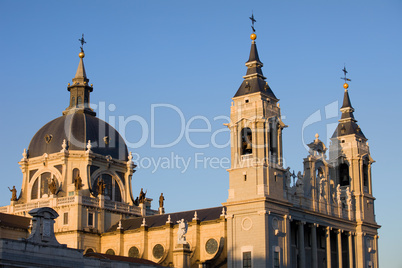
{"points": [[161, 199], [52, 186], [78, 183], [101, 187], [13, 193], [142, 196], [181, 233]]}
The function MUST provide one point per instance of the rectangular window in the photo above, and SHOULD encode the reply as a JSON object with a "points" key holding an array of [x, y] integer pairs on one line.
{"points": [[90, 219], [65, 218], [247, 259], [276, 260]]}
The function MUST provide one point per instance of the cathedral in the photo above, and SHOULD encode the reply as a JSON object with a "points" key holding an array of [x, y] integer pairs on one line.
{"points": [[80, 166]]}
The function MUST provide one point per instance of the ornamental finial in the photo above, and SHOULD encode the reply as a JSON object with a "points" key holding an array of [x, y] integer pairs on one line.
{"points": [[253, 36]]}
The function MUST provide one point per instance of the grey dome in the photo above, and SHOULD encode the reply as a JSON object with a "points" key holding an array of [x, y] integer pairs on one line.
{"points": [[77, 128]]}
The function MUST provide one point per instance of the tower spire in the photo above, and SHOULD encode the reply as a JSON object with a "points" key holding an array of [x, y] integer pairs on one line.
{"points": [[254, 80], [347, 124], [80, 90]]}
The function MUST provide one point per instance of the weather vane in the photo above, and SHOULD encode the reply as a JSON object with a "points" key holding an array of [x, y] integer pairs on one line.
{"points": [[82, 41], [345, 72], [252, 22], [345, 78]]}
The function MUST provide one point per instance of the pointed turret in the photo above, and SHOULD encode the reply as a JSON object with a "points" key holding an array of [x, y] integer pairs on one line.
{"points": [[80, 90], [347, 124], [254, 80], [80, 75]]}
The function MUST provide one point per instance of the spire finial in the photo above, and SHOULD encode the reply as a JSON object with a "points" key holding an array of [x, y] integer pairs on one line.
{"points": [[253, 36], [346, 85]]}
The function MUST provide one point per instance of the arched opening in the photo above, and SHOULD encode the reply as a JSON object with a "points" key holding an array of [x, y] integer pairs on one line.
{"points": [[79, 101], [365, 174], [246, 141], [76, 174], [90, 250], [41, 185], [112, 188], [110, 251], [344, 174], [72, 102]]}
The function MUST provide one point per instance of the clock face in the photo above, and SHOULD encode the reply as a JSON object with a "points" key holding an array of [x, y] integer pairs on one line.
{"points": [[211, 246], [158, 251]]}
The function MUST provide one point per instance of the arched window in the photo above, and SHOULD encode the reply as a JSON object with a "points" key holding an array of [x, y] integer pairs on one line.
{"points": [[76, 174], [90, 250], [72, 102], [110, 251], [112, 188], [41, 185], [79, 101], [365, 173], [133, 252], [246, 141], [344, 174]]}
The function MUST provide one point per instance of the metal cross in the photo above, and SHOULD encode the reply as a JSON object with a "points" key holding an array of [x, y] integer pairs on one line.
{"points": [[252, 21], [345, 72], [82, 41]]}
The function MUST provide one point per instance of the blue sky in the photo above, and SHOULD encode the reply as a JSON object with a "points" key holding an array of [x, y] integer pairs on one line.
{"points": [[190, 55]]}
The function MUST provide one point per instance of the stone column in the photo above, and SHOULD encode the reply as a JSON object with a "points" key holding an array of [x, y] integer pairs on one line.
{"points": [[376, 263], [287, 248], [302, 252], [279, 146], [339, 240], [328, 245], [314, 257], [350, 246]]}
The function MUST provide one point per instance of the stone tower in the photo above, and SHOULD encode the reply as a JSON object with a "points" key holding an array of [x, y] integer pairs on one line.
{"points": [[256, 173], [350, 156]]}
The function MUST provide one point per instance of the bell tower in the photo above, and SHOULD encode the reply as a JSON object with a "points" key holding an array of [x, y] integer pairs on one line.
{"points": [[351, 160], [256, 136], [256, 176], [350, 156]]}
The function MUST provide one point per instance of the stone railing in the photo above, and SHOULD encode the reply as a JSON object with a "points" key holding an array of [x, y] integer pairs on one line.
{"points": [[87, 200], [82, 200], [322, 207]]}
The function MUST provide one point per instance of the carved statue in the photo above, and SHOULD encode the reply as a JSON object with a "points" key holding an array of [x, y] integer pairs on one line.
{"points": [[322, 188], [338, 194], [101, 187], [78, 183], [332, 191], [13, 193], [349, 196], [299, 184], [142, 196], [287, 178], [182, 231], [161, 199], [52, 186]]}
